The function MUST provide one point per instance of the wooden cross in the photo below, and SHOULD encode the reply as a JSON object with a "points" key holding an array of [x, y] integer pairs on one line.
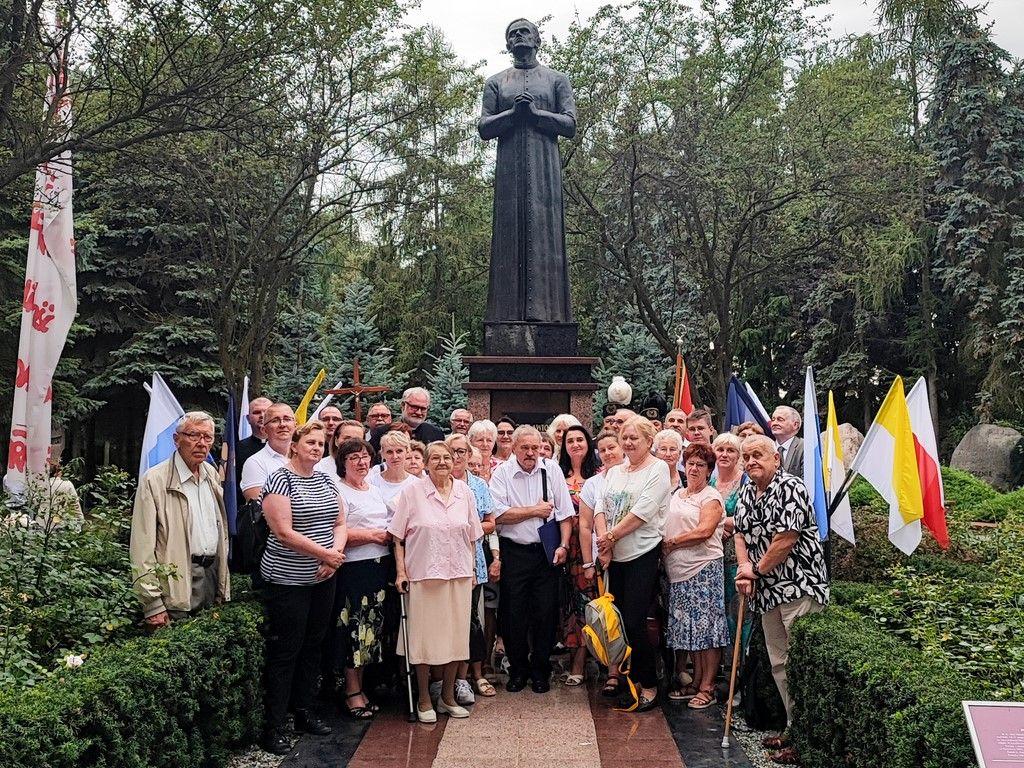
{"points": [[357, 389]]}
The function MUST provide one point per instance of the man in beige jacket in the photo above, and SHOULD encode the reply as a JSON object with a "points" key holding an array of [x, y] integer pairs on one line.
{"points": [[179, 541]]}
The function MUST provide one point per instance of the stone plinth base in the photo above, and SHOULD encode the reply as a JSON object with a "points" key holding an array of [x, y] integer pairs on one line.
{"points": [[530, 339], [531, 390]]}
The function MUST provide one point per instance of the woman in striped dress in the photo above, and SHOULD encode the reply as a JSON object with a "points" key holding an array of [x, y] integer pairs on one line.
{"points": [[306, 546]]}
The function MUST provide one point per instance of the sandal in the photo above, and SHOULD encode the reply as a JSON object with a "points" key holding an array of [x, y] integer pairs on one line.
{"points": [[484, 687], [685, 693], [359, 713], [785, 756], [573, 680], [646, 705], [702, 700], [612, 687], [775, 742]]}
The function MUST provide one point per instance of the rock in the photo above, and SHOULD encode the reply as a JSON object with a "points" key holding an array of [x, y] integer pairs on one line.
{"points": [[993, 453], [850, 438]]}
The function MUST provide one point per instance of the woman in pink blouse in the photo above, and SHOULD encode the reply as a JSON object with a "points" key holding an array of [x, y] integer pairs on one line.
{"points": [[435, 527]]}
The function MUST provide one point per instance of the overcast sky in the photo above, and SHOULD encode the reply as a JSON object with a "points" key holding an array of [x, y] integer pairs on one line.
{"points": [[475, 27]]}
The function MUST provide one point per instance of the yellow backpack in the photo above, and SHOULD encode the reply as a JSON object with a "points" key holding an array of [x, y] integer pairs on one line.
{"points": [[606, 638]]}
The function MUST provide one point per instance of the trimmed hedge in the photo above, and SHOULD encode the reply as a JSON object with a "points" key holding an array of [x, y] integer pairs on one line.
{"points": [[864, 699], [187, 696]]}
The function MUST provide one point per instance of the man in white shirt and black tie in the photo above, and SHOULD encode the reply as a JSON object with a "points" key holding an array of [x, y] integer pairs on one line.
{"points": [[527, 491]]}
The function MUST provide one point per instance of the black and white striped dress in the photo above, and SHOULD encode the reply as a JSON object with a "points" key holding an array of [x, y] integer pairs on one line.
{"points": [[314, 511]]}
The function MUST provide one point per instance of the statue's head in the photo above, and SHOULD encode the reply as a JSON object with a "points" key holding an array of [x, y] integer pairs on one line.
{"points": [[522, 33]]}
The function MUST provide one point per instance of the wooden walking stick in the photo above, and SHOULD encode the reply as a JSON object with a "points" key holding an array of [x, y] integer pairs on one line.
{"points": [[735, 666]]}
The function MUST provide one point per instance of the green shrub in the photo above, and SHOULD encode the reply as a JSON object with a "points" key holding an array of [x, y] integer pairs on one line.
{"points": [[187, 696], [64, 585], [964, 492], [996, 509], [864, 496], [864, 699]]}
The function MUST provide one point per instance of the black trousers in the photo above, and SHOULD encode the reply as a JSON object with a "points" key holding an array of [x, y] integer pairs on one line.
{"points": [[330, 647], [635, 586], [477, 644], [297, 618], [529, 600]]}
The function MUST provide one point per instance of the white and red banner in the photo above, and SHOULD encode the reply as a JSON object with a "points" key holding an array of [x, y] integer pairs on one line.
{"points": [[49, 303]]}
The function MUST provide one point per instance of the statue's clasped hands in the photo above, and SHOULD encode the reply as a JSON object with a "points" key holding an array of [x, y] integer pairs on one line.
{"points": [[523, 106]]}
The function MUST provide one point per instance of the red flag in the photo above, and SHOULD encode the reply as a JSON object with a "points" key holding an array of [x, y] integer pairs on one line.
{"points": [[685, 403], [928, 463]]}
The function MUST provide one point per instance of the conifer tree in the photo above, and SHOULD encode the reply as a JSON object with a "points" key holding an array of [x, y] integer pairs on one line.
{"points": [[446, 380]]}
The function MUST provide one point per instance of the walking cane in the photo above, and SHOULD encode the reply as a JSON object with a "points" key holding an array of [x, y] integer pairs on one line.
{"points": [[732, 675], [408, 667]]}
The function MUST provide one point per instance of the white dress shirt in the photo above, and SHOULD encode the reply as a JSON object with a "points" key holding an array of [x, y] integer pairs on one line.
{"points": [[202, 508], [259, 467], [513, 486]]}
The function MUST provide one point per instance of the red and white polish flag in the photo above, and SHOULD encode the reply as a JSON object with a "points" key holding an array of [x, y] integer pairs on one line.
{"points": [[50, 300], [928, 463]]}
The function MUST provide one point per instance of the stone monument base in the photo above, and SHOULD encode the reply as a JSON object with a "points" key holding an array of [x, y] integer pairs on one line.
{"points": [[530, 389], [530, 339]]}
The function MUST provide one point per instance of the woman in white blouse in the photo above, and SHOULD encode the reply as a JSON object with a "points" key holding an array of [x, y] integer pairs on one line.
{"points": [[629, 518]]}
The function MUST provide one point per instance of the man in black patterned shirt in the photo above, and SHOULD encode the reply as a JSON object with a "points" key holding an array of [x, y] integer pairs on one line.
{"points": [[781, 560]]}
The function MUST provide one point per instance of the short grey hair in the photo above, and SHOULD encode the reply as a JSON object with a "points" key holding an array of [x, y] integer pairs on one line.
{"points": [[460, 410], [763, 440], [394, 439], [668, 434], [524, 430], [792, 413], [195, 417], [415, 391], [483, 426]]}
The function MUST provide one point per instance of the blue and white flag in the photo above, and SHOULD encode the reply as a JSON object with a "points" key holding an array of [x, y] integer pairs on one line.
{"points": [[741, 404], [164, 412], [814, 477], [244, 427]]}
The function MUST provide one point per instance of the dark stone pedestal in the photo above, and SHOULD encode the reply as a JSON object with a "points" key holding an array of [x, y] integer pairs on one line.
{"points": [[514, 339], [531, 389]]}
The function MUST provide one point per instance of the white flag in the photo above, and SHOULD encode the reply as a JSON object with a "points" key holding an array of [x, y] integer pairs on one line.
{"points": [[49, 303], [244, 427], [161, 423]]}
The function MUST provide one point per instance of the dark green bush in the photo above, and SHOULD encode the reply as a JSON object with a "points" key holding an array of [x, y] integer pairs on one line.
{"points": [[186, 696], [996, 509], [964, 492], [864, 699]]}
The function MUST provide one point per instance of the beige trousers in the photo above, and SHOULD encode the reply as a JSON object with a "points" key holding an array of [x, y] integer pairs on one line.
{"points": [[777, 624]]}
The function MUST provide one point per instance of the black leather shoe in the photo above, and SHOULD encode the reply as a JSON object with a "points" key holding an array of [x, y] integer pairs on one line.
{"points": [[276, 742], [541, 685], [515, 683], [306, 722]]}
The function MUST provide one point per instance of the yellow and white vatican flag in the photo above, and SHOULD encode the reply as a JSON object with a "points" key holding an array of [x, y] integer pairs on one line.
{"points": [[841, 521], [888, 461]]}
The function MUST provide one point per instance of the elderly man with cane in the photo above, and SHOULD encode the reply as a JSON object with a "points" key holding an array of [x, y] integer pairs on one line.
{"points": [[781, 562]]}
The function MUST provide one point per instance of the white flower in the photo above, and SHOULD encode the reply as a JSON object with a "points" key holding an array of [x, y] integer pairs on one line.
{"points": [[72, 660]]}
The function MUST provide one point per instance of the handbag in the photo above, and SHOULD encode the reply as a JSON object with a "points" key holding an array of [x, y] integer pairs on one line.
{"points": [[252, 535], [550, 533]]}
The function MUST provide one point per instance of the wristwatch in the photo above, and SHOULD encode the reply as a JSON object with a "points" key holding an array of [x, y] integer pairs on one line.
{"points": [[757, 572], [610, 536], [587, 565]]}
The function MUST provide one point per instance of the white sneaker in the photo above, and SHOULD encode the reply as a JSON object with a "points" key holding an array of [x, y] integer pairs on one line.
{"points": [[435, 691], [464, 693], [452, 711]]}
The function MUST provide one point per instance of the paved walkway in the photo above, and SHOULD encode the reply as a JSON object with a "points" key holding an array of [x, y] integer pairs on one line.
{"points": [[566, 728]]}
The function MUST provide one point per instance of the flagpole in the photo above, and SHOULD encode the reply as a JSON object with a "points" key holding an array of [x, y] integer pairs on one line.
{"points": [[677, 390]]}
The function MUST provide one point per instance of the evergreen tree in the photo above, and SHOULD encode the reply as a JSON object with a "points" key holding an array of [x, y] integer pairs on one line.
{"points": [[353, 335], [636, 356], [976, 124], [446, 380]]}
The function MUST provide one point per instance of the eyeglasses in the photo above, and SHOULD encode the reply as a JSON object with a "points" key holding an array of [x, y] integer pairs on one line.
{"points": [[416, 408], [357, 457], [281, 420], [460, 451], [197, 437]]}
